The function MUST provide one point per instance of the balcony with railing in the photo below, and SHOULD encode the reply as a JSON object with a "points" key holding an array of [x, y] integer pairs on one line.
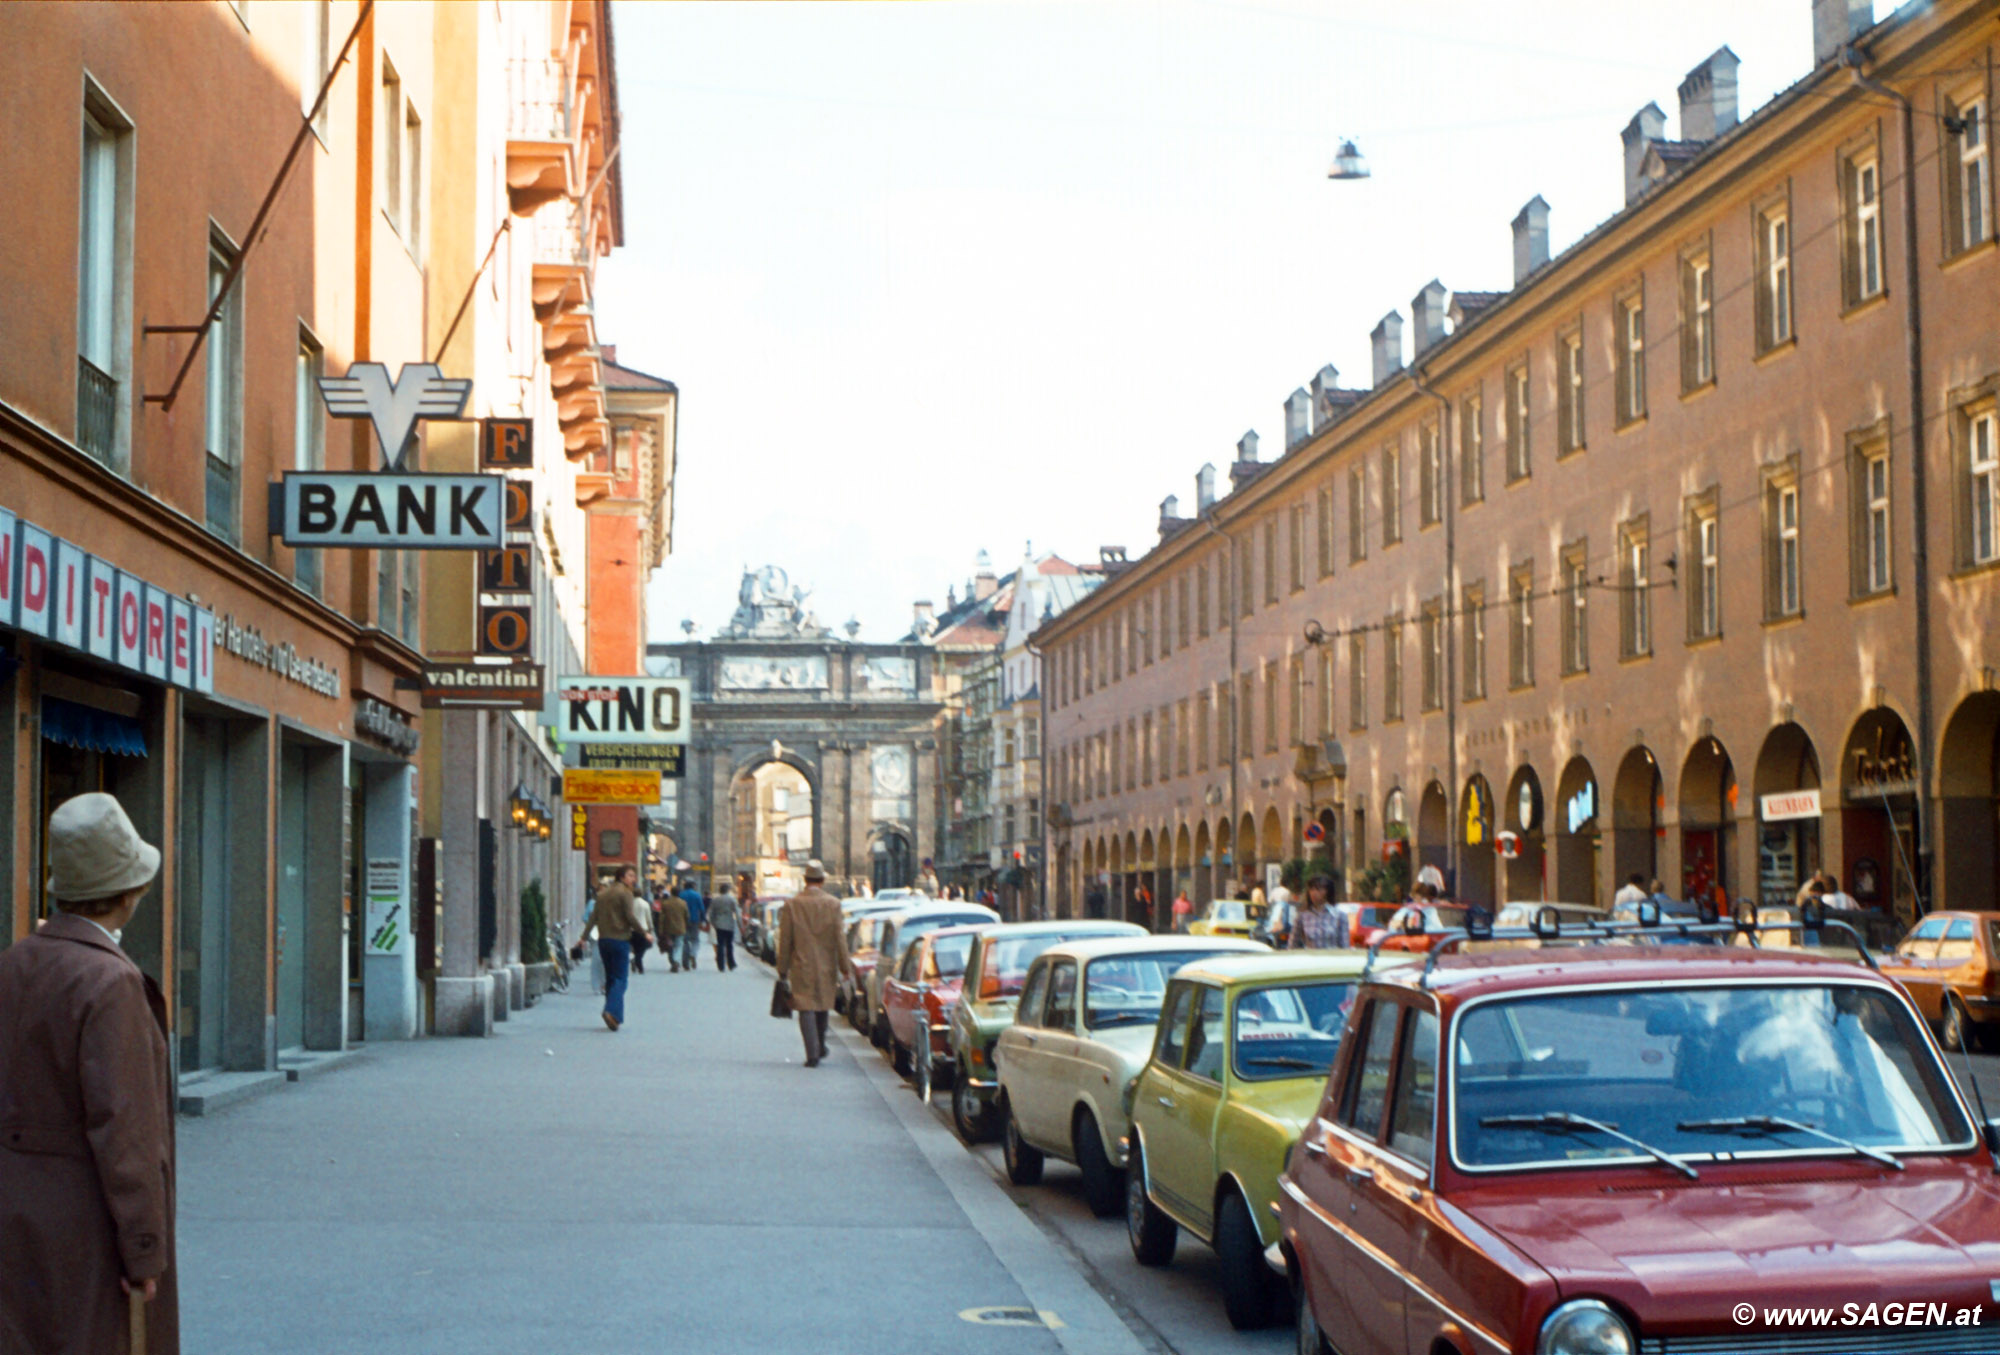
{"points": [[544, 143], [96, 411]]}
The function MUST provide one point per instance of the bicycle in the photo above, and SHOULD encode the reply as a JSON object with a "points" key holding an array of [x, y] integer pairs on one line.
{"points": [[559, 954]]}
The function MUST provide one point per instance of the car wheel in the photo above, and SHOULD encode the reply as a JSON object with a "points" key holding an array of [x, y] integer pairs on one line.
{"points": [[1103, 1190], [1310, 1339], [1151, 1233], [1951, 1030], [1024, 1164], [967, 1115], [899, 1057], [878, 1032], [1249, 1295]]}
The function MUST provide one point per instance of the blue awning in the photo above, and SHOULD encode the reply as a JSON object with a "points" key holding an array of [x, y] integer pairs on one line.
{"points": [[101, 731]]}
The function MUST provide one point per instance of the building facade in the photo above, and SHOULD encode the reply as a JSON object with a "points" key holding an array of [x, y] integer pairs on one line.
{"points": [[1674, 560]]}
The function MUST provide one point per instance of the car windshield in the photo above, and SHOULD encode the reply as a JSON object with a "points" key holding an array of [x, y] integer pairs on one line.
{"points": [[1368, 915], [914, 927], [948, 954], [1698, 1071], [1125, 990], [1007, 959], [1292, 1031]]}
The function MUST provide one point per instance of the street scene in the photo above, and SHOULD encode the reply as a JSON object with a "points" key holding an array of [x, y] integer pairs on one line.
{"points": [[660, 695]]}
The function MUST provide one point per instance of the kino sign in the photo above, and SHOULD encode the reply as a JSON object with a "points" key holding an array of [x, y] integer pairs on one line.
{"points": [[621, 709], [393, 508]]}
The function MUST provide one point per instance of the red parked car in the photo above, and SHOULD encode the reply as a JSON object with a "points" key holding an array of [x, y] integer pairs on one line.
{"points": [[1366, 921], [1419, 926], [925, 988], [1657, 1149]]}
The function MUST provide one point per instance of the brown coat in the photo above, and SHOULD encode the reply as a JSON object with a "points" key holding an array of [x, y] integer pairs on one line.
{"points": [[673, 916], [616, 916], [812, 948], [86, 1146]]}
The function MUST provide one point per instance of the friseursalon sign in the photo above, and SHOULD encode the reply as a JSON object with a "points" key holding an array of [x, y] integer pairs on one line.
{"points": [[391, 509], [61, 593]]}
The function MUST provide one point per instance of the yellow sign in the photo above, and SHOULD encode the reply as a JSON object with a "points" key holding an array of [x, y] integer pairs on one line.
{"points": [[579, 828], [604, 786]]}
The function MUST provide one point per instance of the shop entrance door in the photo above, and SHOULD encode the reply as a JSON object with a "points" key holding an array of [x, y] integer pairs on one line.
{"points": [[292, 898], [202, 916]]}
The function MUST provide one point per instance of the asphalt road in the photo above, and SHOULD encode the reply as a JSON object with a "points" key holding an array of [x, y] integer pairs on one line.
{"points": [[683, 1185]]}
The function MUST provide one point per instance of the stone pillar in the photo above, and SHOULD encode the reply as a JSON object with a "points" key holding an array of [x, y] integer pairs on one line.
{"points": [[464, 994], [388, 949]]}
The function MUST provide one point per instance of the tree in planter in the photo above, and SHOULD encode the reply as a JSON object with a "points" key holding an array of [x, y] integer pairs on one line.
{"points": [[534, 923]]}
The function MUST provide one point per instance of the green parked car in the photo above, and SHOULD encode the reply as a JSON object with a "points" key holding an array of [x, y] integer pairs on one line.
{"points": [[1239, 1062], [993, 973]]}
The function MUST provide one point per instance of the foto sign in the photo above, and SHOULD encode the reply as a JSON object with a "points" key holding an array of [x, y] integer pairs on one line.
{"points": [[596, 786], [621, 710], [389, 510]]}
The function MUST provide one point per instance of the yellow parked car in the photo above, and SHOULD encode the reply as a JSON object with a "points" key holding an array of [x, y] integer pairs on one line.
{"points": [[1239, 1062], [1227, 917]]}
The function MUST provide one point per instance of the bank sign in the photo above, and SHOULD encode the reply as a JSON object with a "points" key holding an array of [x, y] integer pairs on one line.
{"points": [[59, 591], [622, 710], [391, 509]]}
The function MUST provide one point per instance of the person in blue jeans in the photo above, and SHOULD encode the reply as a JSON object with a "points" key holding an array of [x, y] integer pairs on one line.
{"points": [[616, 922], [697, 912]]}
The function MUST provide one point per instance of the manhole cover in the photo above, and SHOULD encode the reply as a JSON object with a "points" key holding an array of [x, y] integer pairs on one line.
{"points": [[1011, 1317]]}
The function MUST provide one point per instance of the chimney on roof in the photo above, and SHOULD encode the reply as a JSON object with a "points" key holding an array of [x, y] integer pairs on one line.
{"points": [[926, 618], [1323, 387], [1837, 23], [1170, 516], [1298, 418], [1386, 344], [1246, 467], [1427, 317], [984, 585], [1531, 238], [1648, 125], [1708, 97], [609, 352], [1204, 488]]}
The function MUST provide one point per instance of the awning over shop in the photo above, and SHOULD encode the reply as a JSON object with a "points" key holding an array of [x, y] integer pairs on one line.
{"points": [[100, 731]]}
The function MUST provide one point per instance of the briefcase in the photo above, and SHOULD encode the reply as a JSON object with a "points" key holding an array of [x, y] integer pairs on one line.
{"points": [[781, 999]]}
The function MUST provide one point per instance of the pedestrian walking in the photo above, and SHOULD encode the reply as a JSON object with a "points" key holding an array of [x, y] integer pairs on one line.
{"points": [[722, 919], [1183, 911], [615, 922], [86, 1109], [1632, 891], [697, 909], [642, 940], [812, 957], [1319, 925], [673, 926]]}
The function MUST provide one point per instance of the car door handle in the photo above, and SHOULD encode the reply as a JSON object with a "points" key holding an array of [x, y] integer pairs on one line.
{"points": [[1166, 1101], [1359, 1176], [1315, 1148]]}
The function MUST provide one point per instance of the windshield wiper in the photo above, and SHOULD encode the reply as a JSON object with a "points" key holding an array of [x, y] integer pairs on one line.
{"points": [[1562, 1122], [1285, 1061], [1778, 1124]]}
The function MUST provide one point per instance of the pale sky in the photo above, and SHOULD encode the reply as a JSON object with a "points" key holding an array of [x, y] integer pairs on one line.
{"points": [[940, 278]]}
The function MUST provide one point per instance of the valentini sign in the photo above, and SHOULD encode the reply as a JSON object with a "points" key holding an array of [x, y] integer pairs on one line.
{"points": [[391, 509]]}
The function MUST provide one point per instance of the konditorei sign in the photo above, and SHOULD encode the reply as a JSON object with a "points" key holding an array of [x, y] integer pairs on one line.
{"points": [[622, 710], [61, 593]]}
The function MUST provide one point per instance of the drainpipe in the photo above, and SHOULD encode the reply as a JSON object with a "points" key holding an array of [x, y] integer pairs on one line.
{"points": [[1041, 904], [1920, 560], [1228, 611], [1449, 677]]}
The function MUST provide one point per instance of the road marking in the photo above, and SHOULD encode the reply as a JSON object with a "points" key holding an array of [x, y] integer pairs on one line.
{"points": [[1011, 1317]]}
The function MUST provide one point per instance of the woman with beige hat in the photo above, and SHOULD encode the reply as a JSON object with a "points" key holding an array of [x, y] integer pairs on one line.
{"points": [[86, 1109]]}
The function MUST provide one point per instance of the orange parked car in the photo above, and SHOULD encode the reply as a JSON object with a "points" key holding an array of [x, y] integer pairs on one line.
{"points": [[1950, 966], [1418, 926]]}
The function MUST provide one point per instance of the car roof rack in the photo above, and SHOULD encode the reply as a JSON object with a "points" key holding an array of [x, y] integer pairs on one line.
{"points": [[1548, 926]]}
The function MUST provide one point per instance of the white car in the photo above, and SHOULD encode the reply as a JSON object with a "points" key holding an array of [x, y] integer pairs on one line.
{"points": [[1082, 1032]]}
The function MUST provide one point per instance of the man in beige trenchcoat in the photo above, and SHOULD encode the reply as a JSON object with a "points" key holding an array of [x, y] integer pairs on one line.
{"points": [[86, 1112], [812, 955]]}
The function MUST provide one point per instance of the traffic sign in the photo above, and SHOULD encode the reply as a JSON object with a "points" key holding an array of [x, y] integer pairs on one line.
{"points": [[598, 786]]}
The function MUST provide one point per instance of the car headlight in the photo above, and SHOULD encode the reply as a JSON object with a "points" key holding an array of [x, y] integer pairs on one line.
{"points": [[1584, 1327]]}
